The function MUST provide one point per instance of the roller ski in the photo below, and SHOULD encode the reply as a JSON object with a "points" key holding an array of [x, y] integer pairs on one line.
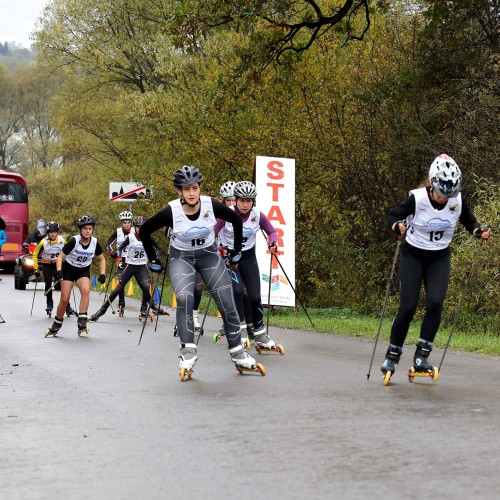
{"points": [[159, 311], [219, 335], [70, 311], [421, 366], [49, 308], [54, 329], [144, 315], [391, 362], [243, 362], [121, 309], [198, 329], [188, 358], [82, 324], [98, 314], [264, 343]]}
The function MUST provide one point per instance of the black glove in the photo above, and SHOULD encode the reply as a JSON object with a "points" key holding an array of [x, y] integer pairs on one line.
{"points": [[112, 254], [155, 266], [59, 275], [479, 231], [102, 279], [37, 273]]}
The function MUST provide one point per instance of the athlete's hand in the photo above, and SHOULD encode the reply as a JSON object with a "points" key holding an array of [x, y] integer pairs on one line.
{"points": [[59, 275], [399, 228], [102, 279], [273, 247], [112, 254], [37, 273], [482, 232]]}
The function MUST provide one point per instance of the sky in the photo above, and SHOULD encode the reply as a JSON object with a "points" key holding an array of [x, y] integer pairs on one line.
{"points": [[18, 19]]}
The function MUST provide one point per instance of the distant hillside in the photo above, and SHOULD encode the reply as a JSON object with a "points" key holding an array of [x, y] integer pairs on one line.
{"points": [[12, 54]]}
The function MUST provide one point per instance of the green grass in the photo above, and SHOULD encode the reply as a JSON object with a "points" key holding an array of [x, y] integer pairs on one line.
{"points": [[347, 322]]}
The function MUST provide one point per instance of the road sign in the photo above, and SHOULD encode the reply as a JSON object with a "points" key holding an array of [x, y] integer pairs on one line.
{"points": [[127, 191]]}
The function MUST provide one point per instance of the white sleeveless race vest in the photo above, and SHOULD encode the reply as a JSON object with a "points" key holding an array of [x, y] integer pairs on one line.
{"points": [[79, 256], [136, 254], [432, 229], [193, 235], [120, 238], [250, 229], [51, 249]]}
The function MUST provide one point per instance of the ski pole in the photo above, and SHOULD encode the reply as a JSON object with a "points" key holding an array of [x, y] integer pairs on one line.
{"points": [[464, 293], [387, 290], [289, 282], [161, 294], [147, 312], [269, 292], [294, 291], [74, 300], [204, 317], [34, 293], [52, 287], [110, 278]]}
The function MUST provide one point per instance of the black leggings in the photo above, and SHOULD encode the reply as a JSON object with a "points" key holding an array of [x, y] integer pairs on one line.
{"points": [[142, 277], [435, 274], [248, 277], [49, 275]]}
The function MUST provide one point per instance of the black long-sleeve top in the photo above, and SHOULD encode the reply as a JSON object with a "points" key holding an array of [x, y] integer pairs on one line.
{"points": [[407, 208], [164, 219]]}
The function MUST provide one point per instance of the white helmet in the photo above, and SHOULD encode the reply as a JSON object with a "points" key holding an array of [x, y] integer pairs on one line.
{"points": [[125, 216], [227, 189], [245, 189], [445, 176]]}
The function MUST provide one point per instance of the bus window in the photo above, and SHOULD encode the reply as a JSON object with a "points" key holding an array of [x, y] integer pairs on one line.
{"points": [[12, 192]]}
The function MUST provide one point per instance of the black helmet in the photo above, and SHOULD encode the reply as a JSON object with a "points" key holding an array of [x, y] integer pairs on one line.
{"points": [[187, 175], [245, 189], [139, 220], [85, 220], [52, 226]]}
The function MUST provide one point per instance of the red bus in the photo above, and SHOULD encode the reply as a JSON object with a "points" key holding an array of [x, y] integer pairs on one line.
{"points": [[14, 211]]}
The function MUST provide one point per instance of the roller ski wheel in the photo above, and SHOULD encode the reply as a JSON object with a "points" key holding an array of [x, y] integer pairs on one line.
{"points": [[277, 348], [120, 313], [217, 337], [387, 377], [144, 317], [83, 330], [259, 368], [433, 373], [185, 374], [50, 333], [49, 312]]}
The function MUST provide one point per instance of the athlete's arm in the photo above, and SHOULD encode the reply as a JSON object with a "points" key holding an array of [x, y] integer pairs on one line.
{"points": [[223, 212], [36, 252], [111, 241], [161, 219], [70, 245], [467, 217], [404, 210], [272, 235]]}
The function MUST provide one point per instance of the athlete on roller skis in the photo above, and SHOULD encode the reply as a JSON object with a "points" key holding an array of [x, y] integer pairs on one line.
{"points": [[428, 219], [112, 245], [73, 266], [135, 266], [247, 271], [192, 218], [47, 251]]}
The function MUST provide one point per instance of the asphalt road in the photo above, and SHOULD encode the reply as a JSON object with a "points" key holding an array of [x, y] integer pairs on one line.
{"points": [[101, 417]]}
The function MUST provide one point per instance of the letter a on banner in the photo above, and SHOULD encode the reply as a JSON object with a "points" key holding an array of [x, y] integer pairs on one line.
{"points": [[275, 183]]}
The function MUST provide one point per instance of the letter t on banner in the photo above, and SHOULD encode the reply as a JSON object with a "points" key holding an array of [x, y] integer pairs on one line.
{"points": [[275, 183]]}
